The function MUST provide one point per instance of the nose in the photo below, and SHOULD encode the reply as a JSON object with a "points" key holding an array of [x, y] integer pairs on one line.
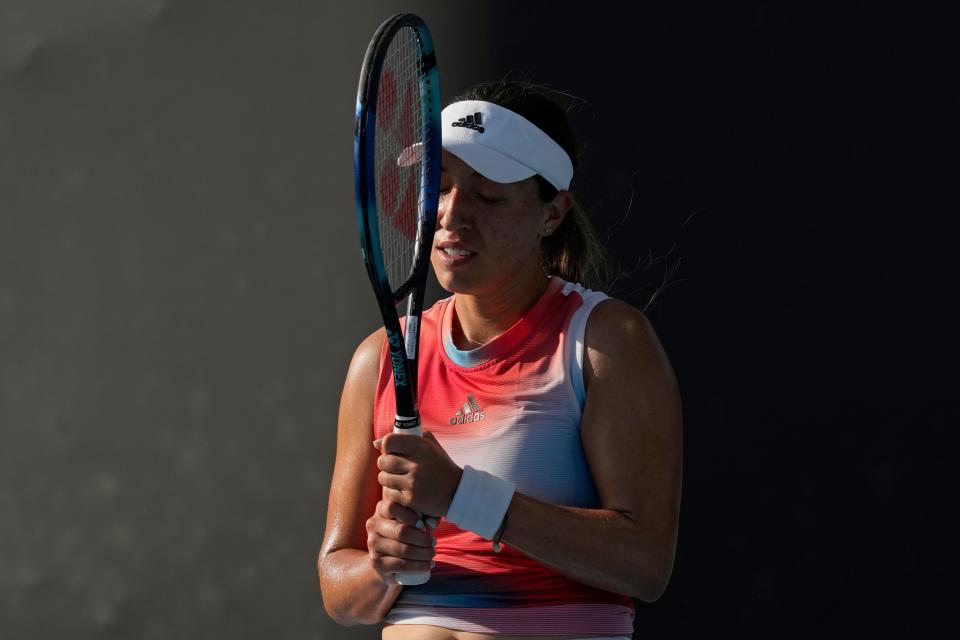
{"points": [[453, 212]]}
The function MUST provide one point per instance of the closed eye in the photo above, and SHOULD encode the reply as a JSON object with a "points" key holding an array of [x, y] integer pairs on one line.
{"points": [[490, 200]]}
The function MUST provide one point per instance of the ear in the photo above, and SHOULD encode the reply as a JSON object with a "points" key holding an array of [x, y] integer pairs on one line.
{"points": [[555, 211]]}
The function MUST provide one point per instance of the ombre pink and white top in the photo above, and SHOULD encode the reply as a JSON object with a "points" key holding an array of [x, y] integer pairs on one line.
{"points": [[512, 408]]}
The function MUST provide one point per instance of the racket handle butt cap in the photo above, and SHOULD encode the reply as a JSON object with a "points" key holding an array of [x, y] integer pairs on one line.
{"points": [[413, 579]]}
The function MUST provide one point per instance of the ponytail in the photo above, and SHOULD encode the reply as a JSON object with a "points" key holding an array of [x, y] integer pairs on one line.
{"points": [[572, 252]]}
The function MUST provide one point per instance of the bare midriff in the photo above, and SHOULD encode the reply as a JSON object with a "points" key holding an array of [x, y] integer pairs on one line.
{"points": [[429, 632]]}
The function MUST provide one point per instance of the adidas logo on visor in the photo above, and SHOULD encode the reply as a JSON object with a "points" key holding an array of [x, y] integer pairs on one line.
{"points": [[469, 412], [474, 122]]}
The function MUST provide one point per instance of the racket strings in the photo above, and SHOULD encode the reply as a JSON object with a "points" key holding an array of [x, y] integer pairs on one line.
{"points": [[400, 126]]}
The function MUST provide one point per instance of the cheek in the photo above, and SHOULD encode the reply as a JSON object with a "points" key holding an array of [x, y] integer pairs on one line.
{"points": [[512, 233]]}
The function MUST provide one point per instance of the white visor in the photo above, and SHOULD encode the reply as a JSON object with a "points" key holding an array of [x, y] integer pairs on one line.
{"points": [[499, 144]]}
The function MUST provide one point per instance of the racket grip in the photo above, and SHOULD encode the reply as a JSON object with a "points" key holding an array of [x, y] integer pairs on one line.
{"points": [[420, 577]]}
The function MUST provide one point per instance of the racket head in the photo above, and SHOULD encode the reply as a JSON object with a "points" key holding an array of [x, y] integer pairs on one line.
{"points": [[397, 155]]}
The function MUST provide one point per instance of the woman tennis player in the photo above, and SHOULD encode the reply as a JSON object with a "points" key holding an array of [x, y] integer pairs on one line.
{"points": [[552, 444]]}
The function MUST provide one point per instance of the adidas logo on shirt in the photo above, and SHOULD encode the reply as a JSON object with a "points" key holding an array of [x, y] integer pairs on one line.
{"points": [[469, 412], [474, 122]]}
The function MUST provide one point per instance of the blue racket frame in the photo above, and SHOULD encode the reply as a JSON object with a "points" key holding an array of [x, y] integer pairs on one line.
{"points": [[403, 347]]}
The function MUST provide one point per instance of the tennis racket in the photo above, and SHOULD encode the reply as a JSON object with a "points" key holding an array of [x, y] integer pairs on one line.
{"points": [[397, 177]]}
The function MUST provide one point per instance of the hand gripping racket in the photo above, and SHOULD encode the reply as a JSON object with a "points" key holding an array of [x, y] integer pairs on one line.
{"points": [[397, 176]]}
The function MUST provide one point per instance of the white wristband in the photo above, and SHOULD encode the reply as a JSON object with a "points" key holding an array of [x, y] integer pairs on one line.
{"points": [[480, 502]]}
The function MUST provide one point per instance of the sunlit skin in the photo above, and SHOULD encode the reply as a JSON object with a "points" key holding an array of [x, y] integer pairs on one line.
{"points": [[634, 449], [500, 226]]}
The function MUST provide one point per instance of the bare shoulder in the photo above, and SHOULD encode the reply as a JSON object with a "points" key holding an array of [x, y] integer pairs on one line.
{"points": [[365, 364], [620, 337]]}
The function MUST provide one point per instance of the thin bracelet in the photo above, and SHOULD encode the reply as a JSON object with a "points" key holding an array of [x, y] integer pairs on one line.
{"points": [[499, 534]]}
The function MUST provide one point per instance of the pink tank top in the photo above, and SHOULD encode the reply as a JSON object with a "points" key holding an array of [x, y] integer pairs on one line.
{"points": [[512, 408]]}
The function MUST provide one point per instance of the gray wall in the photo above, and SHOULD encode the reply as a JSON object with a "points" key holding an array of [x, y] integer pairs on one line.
{"points": [[181, 290], [180, 293]]}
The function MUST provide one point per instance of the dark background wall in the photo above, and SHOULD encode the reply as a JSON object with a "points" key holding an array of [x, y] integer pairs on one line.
{"points": [[181, 290]]}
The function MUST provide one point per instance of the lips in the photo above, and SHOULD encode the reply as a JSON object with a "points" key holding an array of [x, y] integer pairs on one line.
{"points": [[453, 254]]}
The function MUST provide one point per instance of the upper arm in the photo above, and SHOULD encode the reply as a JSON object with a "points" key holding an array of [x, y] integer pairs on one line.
{"points": [[632, 426], [354, 490]]}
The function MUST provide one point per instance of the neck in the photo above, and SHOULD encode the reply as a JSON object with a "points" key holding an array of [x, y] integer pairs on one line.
{"points": [[482, 318]]}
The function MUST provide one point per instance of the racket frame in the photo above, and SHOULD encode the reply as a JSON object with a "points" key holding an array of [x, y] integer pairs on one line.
{"points": [[403, 346]]}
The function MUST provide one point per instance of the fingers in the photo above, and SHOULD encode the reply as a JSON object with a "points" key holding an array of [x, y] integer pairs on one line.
{"points": [[416, 472], [399, 510], [402, 498], [394, 477], [390, 510], [402, 444], [396, 522], [387, 548], [395, 544], [405, 444], [396, 495], [393, 483], [394, 464]]}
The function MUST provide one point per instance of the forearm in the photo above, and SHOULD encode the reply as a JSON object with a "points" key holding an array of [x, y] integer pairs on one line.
{"points": [[597, 547], [353, 593]]}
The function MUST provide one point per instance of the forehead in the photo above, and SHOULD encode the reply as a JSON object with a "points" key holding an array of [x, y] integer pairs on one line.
{"points": [[453, 164], [460, 170]]}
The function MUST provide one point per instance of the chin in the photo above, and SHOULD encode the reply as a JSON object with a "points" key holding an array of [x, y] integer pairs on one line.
{"points": [[462, 283], [452, 284]]}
